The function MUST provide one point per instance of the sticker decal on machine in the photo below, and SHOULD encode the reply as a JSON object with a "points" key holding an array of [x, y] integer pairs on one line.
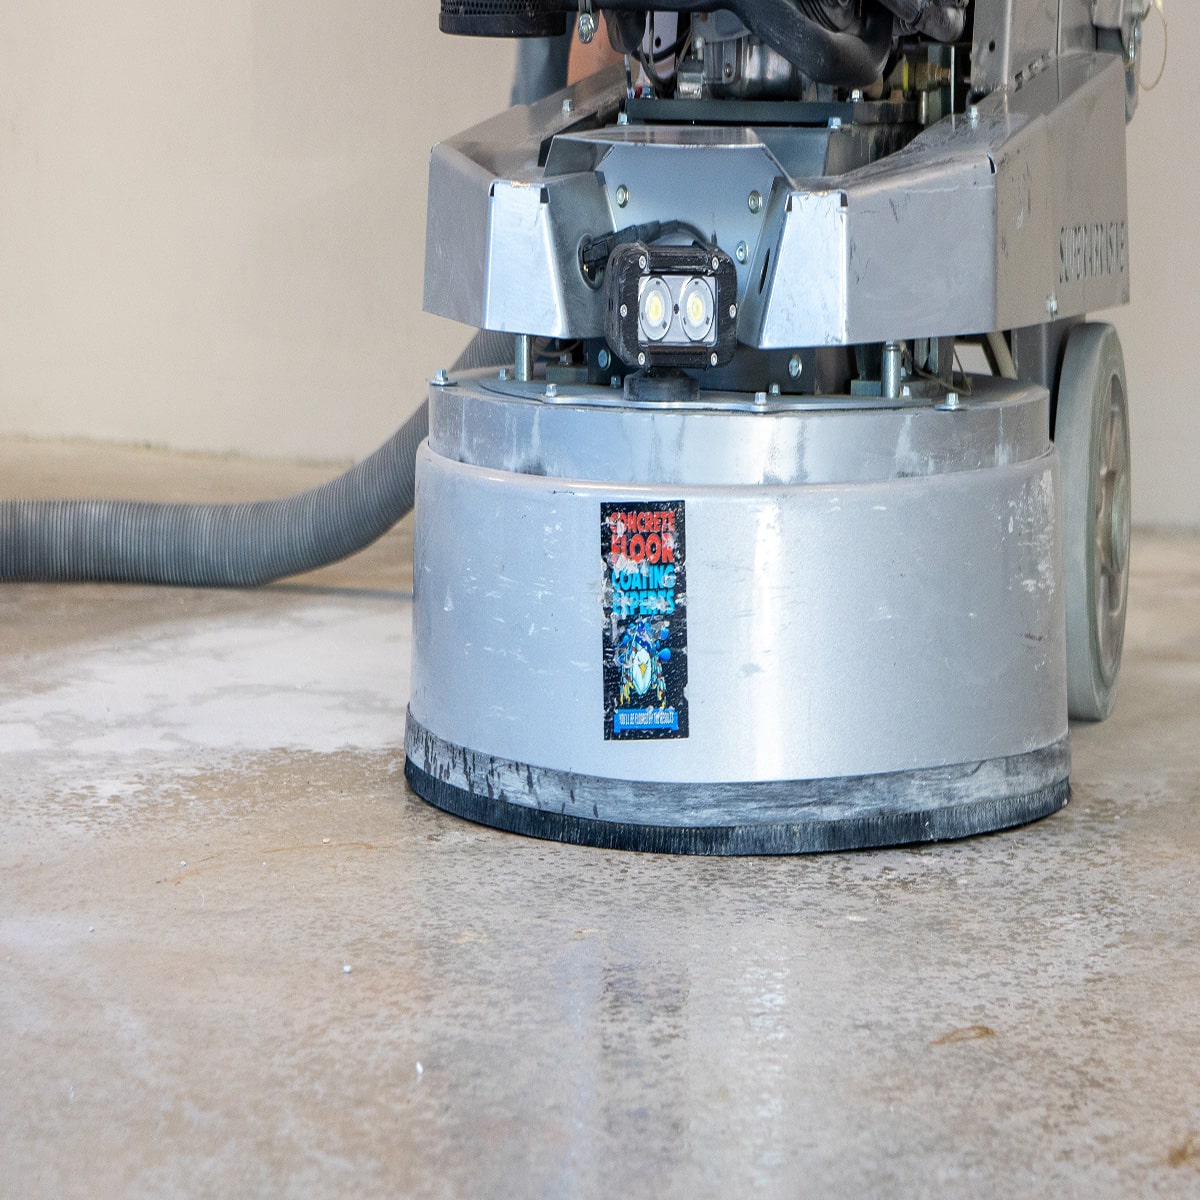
{"points": [[645, 620]]}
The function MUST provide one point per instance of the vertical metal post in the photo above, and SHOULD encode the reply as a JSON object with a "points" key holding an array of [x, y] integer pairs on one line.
{"points": [[889, 378], [524, 357]]}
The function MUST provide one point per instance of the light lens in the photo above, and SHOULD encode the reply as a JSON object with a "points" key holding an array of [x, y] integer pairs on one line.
{"points": [[697, 309], [655, 309]]}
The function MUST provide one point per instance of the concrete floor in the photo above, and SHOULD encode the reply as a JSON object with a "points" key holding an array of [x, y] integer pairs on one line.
{"points": [[239, 958]]}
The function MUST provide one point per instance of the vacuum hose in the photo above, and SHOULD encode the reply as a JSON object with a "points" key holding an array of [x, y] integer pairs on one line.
{"points": [[224, 545], [213, 545]]}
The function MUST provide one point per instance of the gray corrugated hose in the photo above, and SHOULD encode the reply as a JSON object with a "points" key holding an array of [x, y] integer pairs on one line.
{"points": [[224, 545]]}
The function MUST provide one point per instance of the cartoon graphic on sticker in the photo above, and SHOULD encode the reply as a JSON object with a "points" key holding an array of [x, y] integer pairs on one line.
{"points": [[640, 657]]}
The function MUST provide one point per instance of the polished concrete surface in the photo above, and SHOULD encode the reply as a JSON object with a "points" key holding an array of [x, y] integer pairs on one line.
{"points": [[239, 958]]}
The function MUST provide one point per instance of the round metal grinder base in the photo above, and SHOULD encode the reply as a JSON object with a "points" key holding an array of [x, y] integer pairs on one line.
{"points": [[806, 816], [738, 628]]}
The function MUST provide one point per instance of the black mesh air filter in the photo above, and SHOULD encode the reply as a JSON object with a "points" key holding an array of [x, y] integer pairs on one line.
{"points": [[503, 18]]}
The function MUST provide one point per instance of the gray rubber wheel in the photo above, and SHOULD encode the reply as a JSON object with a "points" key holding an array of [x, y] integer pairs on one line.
{"points": [[1091, 431]]}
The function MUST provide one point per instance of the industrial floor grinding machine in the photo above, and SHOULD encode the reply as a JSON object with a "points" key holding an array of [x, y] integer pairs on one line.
{"points": [[731, 556], [717, 547]]}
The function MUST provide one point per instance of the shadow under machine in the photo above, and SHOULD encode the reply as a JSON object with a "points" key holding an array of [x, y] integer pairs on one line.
{"points": [[729, 555]]}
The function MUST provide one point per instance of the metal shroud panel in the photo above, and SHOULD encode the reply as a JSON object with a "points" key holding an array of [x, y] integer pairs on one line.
{"points": [[1009, 217]]}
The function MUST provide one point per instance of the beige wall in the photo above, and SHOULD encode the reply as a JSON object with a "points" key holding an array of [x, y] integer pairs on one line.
{"points": [[212, 219], [212, 216], [1161, 327]]}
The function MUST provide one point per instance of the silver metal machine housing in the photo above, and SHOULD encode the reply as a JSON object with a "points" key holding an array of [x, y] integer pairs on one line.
{"points": [[876, 648]]}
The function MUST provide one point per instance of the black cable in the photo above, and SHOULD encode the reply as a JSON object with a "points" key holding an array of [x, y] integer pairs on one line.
{"points": [[670, 228], [661, 85], [672, 51]]}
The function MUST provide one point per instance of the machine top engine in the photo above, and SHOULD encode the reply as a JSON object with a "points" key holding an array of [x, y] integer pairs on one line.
{"points": [[841, 42]]}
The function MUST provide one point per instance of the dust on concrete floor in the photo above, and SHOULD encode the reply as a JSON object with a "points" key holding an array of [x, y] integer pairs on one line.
{"points": [[205, 824]]}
